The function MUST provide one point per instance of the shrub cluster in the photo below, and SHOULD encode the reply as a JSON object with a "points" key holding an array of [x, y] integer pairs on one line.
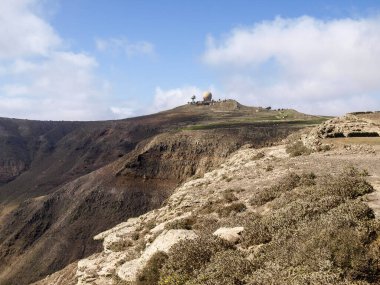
{"points": [[150, 274], [287, 183], [188, 258]]}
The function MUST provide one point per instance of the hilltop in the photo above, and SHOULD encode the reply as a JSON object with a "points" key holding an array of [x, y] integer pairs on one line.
{"points": [[64, 182]]}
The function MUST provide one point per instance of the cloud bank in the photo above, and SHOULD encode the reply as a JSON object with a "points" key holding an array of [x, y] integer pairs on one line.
{"points": [[326, 67]]}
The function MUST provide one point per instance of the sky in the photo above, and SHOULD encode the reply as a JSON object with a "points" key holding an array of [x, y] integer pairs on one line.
{"points": [[102, 60]]}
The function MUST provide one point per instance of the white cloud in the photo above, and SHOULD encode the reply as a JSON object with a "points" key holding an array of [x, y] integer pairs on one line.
{"points": [[122, 44], [22, 33], [40, 78], [315, 65], [61, 87], [167, 99]]}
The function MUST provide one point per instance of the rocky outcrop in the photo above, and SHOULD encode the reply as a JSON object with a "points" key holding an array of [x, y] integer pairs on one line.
{"points": [[10, 169], [130, 269], [350, 125]]}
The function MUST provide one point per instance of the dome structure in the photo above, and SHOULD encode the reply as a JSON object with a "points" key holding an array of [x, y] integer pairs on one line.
{"points": [[207, 96]]}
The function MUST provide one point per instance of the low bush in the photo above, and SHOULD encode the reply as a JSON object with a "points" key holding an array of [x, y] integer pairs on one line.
{"points": [[187, 257], [346, 186], [211, 206], [318, 234], [307, 179], [184, 223], [256, 232], [225, 268], [236, 207], [287, 183], [150, 274], [120, 245], [206, 225], [229, 196], [297, 149]]}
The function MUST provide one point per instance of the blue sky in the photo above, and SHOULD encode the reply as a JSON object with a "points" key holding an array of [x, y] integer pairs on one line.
{"points": [[91, 60]]}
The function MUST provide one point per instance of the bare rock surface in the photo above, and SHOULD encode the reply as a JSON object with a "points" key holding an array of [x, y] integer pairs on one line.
{"points": [[129, 270]]}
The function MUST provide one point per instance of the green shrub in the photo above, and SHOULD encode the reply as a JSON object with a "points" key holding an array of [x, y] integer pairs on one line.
{"points": [[297, 149], [173, 279], [347, 186], [206, 225], [187, 257], [225, 268], [256, 232]]}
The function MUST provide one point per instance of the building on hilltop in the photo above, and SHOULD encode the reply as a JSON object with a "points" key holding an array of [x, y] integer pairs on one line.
{"points": [[207, 100]]}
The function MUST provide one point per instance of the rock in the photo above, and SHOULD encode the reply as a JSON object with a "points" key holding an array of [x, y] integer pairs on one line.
{"points": [[232, 235], [129, 270]]}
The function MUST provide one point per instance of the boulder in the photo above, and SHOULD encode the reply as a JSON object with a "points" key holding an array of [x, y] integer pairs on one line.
{"points": [[232, 235]]}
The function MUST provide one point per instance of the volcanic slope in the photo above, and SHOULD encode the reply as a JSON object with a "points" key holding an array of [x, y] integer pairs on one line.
{"points": [[64, 182], [264, 216]]}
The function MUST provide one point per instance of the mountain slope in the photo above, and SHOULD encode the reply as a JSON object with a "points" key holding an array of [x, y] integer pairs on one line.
{"points": [[88, 176], [291, 220]]}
